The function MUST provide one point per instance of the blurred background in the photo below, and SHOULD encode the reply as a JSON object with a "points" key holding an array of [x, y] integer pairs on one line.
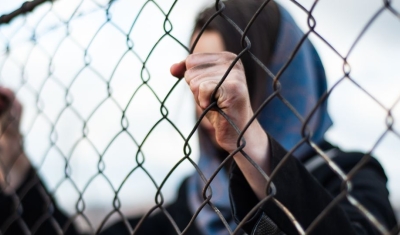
{"points": [[81, 88]]}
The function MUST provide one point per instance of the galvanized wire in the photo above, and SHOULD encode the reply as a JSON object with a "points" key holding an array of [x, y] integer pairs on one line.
{"points": [[145, 79]]}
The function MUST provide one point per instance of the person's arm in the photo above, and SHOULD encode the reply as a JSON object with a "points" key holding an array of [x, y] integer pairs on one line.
{"points": [[25, 205], [202, 72], [306, 196], [14, 165], [298, 190]]}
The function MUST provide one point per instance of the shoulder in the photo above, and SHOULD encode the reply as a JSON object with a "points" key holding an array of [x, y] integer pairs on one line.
{"points": [[340, 161]]}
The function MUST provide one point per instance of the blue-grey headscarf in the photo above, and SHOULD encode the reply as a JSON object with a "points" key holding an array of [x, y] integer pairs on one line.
{"points": [[303, 83]]}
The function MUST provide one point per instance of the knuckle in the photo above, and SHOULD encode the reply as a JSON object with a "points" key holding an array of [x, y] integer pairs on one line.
{"points": [[237, 87], [190, 61], [188, 76], [193, 86], [205, 87], [229, 55], [237, 66], [240, 64]]}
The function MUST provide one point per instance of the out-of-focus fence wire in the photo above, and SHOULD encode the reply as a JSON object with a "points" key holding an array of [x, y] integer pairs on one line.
{"points": [[92, 79]]}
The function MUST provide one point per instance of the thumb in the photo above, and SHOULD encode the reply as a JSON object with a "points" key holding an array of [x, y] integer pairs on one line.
{"points": [[178, 70]]}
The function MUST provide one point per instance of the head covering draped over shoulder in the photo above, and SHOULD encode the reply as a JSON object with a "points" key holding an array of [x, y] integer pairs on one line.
{"points": [[302, 84]]}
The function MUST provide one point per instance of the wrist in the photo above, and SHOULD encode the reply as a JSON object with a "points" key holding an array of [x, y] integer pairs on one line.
{"points": [[257, 146]]}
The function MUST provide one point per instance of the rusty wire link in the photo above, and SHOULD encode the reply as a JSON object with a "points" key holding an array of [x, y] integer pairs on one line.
{"points": [[83, 8]]}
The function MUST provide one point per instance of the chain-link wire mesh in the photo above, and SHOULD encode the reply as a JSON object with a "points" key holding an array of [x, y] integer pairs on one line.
{"points": [[105, 123]]}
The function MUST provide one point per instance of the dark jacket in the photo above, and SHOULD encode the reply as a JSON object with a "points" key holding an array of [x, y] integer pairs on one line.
{"points": [[304, 194]]}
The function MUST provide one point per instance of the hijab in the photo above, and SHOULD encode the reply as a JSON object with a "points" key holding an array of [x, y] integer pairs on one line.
{"points": [[303, 83]]}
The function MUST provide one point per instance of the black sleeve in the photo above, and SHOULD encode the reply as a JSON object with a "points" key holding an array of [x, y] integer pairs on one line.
{"points": [[306, 196], [32, 210]]}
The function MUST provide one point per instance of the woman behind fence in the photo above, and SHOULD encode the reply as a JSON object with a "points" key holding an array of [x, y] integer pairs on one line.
{"points": [[303, 185]]}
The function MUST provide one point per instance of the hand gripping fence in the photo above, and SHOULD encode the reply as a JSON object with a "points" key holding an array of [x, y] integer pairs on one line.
{"points": [[26, 28]]}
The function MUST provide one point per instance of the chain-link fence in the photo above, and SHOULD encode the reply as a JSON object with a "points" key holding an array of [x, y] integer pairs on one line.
{"points": [[112, 134]]}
